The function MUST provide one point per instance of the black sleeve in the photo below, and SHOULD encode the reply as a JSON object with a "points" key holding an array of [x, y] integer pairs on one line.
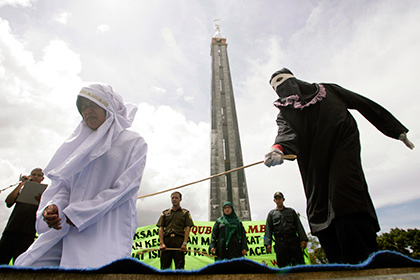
{"points": [[214, 235], [286, 137], [244, 240], [161, 221], [377, 115], [268, 237], [300, 229]]}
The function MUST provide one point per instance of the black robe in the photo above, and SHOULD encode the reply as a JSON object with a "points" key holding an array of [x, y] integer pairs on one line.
{"points": [[325, 138]]}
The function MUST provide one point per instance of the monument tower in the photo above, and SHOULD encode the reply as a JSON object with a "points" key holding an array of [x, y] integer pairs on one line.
{"points": [[226, 151]]}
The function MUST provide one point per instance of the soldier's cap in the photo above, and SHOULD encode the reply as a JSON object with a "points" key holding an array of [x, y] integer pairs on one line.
{"points": [[278, 194]]}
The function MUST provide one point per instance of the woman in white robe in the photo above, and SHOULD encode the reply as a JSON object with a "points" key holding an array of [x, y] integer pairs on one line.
{"points": [[95, 177]]}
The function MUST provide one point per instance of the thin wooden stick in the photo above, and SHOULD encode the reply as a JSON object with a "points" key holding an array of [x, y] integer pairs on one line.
{"points": [[288, 157]]}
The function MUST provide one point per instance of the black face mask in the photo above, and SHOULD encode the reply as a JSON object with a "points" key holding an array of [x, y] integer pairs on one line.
{"points": [[288, 88]]}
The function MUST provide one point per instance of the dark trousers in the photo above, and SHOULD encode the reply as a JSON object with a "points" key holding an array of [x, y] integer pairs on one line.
{"points": [[167, 256], [349, 239], [12, 244], [288, 251]]}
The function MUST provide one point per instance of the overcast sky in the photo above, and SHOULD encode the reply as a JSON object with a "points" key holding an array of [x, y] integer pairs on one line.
{"points": [[157, 54]]}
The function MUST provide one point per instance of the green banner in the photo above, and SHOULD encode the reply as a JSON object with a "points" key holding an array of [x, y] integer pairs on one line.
{"points": [[146, 245]]}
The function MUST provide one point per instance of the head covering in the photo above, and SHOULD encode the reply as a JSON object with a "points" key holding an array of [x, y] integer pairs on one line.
{"points": [[232, 223], [280, 76], [294, 92], [278, 194], [85, 144]]}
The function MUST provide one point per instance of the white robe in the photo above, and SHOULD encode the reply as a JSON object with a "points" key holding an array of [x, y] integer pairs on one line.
{"points": [[100, 200]]}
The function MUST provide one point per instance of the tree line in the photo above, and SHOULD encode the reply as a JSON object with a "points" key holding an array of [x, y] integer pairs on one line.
{"points": [[406, 242]]}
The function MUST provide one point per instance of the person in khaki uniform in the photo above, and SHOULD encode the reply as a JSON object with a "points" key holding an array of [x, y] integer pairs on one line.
{"points": [[174, 228]]}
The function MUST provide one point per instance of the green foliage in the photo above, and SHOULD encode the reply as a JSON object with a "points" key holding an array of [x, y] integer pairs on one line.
{"points": [[316, 254], [406, 242]]}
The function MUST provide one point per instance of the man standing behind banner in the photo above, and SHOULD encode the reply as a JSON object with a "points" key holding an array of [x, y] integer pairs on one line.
{"points": [[289, 236], [88, 217], [228, 238], [174, 229]]}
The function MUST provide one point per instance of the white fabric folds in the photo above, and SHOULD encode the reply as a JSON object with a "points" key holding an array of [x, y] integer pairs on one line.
{"points": [[95, 178]]}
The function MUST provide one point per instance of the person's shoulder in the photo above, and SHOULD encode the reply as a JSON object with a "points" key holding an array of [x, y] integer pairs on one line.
{"points": [[166, 211], [329, 85], [333, 87], [272, 211], [289, 209], [130, 137], [185, 211], [131, 134]]}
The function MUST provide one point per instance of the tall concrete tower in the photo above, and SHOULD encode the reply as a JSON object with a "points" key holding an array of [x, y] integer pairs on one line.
{"points": [[226, 151]]}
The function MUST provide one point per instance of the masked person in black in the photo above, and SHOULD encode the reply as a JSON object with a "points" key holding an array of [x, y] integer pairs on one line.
{"points": [[314, 123], [289, 235], [228, 238]]}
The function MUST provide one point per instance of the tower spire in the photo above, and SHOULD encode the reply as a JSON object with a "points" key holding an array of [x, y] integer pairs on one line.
{"points": [[217, 33], [226, 151]]}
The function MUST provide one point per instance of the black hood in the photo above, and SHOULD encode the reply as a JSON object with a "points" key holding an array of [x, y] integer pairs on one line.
{"points": [[292, 86]]}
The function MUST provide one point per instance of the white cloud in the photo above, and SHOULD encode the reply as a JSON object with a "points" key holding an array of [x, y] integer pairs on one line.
{"points": [[178, 154], [102, 28], [36, 95], [168, 37], [59, 63], [16, 3], [159, 90], [13, 55], [180, 92], [63, 17]]}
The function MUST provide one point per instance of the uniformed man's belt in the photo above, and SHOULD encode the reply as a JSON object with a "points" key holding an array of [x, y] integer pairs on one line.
{"points": [[172, 235], [286, 235]]}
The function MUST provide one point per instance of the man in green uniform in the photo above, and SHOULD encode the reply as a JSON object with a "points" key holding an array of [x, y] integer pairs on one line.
{"points": [[174, 228], [289, 235]]}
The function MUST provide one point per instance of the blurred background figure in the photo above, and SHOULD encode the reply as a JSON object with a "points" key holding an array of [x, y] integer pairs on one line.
{"points": [[20, 231]]}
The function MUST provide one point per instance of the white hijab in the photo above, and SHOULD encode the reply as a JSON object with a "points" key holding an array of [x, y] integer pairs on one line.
{"points": [[85, 144]]}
